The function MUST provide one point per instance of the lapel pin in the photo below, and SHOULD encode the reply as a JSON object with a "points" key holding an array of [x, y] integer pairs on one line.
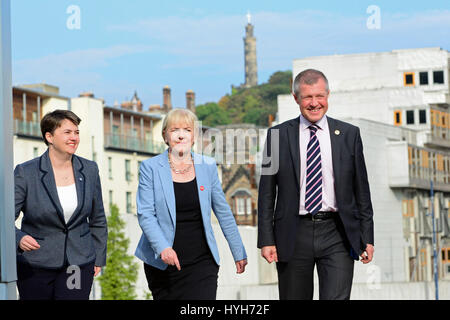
{"points": [[337, 132], [202, 188], [81, 179]]}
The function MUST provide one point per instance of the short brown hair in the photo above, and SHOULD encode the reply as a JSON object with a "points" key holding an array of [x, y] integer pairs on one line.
{"points": [[52, 120]]}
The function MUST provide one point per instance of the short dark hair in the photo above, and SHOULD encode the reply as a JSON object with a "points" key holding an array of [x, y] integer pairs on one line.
{"points": [[52, 120], [309, 77]]}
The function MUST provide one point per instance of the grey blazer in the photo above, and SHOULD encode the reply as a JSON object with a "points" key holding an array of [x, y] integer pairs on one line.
{"points": [[83, 238]]}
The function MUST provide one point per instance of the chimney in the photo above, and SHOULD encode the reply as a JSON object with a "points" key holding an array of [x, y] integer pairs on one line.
{"points": [[190, 100], [167, 101], [86, 94]]}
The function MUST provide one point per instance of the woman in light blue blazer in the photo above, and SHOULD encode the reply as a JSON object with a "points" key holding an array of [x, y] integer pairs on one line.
{"points": [[177, 190]]}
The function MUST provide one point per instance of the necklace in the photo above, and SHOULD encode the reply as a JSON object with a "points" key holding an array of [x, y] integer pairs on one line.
{"points": [[179, 171]]}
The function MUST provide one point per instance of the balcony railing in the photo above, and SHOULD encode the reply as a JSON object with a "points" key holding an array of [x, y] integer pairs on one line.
{"points": [[27, 128], [129, 143], [414, 167]]}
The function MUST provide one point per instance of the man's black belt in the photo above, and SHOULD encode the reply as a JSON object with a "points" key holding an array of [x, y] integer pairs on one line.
{"points": [[321, 215]]}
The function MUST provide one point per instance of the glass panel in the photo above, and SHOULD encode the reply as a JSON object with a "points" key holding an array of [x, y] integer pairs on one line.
{"points": [[410, 117], [423, 78], [422, 116], [438, 77]]}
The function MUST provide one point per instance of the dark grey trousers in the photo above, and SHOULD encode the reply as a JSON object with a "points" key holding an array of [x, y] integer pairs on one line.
{"points": [[322, 244]]}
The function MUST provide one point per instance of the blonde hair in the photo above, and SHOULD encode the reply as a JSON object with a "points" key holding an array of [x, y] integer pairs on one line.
{"points": [[182, 116]]}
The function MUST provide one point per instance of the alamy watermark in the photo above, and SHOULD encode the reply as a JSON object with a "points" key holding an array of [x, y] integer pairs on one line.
{"points": [[74, 20], [74, 280], [241, 146], [374, 20]]}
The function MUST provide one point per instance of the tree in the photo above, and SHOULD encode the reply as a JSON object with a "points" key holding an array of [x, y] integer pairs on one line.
{"points": [[281, 77], [120, 273], [248, 105], [211, 114]]}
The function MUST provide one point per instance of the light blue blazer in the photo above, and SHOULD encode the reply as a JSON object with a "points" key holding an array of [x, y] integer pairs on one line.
{"points": [[156, 209]]}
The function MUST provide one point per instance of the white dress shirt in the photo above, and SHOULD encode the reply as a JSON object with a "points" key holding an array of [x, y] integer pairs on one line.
{"points": [[323, 135]]}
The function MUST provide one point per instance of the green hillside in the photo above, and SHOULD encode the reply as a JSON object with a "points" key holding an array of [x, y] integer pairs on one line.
{"points": [[247, 105]]}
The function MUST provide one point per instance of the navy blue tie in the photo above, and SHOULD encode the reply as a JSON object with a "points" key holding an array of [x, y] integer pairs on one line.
{"points": [[313, 196]]}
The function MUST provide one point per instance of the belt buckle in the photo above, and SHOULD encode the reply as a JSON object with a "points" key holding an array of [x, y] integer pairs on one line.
{"points": [[313, 218]]}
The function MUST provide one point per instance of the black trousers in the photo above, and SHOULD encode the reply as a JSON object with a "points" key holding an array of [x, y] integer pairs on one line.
{"points": [[322, 244], [67, 283], [196, 281]]}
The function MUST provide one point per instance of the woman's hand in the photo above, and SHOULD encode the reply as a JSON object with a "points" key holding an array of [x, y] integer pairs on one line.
{"points": [[97, 270], [169, 256], [240, 266], [28, 243]]}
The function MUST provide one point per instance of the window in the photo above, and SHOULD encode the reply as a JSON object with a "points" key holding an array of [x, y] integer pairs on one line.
{"points": [[110, 168], [129, 207], [35, 152], [438, 77], [94, 154], [243, 205], [408, 208], [408, 78], [397, 118], [249, 206], [410, 117], [423, 78], [110, 198], [425, 157], [240, 206], [139, 168], [422, 116], [423, 257], [445, 255], [127, 170], [116, 136]]}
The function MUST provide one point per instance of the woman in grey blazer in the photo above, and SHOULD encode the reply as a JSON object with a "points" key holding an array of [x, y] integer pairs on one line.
{"points": [[61, 244]]}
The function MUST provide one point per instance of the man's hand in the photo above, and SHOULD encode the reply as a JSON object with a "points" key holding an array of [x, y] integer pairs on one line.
{"points": [[169, 256], [367, 255], [269, 253]]}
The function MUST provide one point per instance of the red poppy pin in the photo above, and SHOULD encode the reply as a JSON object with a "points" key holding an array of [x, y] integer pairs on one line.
{"points": [[202, 188]]}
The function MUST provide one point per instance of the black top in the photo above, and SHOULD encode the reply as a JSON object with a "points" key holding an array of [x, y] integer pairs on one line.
{"points": [[190, 241]]}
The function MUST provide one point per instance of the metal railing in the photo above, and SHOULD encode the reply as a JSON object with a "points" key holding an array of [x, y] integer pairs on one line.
{"points": [[131, 143], [27, 128]]}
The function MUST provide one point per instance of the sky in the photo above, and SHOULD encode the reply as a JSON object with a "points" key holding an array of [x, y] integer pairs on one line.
{"points": [[120, 47]]}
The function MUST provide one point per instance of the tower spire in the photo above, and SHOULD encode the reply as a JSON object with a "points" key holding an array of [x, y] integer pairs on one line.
{"points": [[251, 69]]}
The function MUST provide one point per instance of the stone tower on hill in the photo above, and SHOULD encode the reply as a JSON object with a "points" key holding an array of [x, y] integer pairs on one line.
{"points": [[251, 69]]}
